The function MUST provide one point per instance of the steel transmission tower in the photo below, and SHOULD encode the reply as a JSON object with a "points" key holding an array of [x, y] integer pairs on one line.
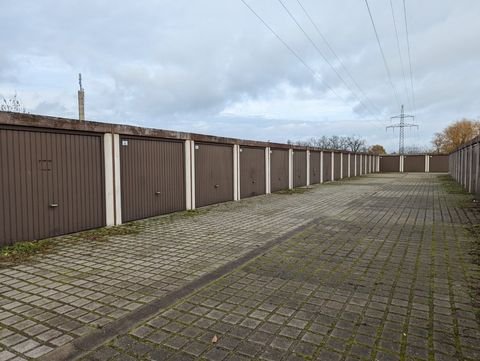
{"points": [[402, 125]]}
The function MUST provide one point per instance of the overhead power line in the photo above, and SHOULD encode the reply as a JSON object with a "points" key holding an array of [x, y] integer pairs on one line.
{"points": [[374, 107], [400, 55], [409, 57], [294, 53], [323, 56], [383, 55]]}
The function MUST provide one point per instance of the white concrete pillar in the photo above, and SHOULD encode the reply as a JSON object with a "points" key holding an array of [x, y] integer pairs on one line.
{"points": [[236, 172], [402, 161], [332, 178], [290, 169], [268, 175], [188, 174], [308, 167], [109, 182], [192, 164], [321, 166], [113, 179], [360, 160], [427, 163]]}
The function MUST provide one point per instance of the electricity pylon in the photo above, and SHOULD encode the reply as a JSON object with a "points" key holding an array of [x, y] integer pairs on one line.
{"points": [[402, 125]]}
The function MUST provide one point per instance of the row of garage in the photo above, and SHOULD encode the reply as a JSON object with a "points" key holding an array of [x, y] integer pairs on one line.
{"points": [[55, 182], [414, 163], [464, 166]]}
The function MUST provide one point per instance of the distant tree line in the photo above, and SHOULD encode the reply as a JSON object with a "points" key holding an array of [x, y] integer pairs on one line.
{"points": [[351, 144]]}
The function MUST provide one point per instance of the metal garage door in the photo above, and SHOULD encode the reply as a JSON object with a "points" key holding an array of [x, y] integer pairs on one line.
{"points": [[352, 165], [299, 168], [327, 166], [252, 171], [390, 164], [50, 183], [358, 164], [439, 163], [152, 176], [345, 165], [314, 167], [213, 173], [279, 169], [414, 163], [337, 166]]}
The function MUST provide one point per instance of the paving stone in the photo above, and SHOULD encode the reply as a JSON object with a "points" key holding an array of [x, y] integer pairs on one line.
{"points": [[385, 254]]}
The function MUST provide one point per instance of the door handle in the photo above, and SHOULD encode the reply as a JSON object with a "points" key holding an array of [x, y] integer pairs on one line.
{"points": [[158, 193], [217, 185], [53, 205]]}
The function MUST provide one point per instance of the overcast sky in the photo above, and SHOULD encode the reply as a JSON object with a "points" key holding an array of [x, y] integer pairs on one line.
{"points": [[212, 67]]}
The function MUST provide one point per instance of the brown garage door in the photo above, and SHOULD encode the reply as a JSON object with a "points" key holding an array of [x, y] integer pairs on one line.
{"points": [[50, 183], [345, 165], [439, 163], [337, 166], [314, 167], [213, 174], [153, 177], [279, 169], [390, 164], [414, 163], [252, 171], [299, 168], [352, 165], [327, 166]]}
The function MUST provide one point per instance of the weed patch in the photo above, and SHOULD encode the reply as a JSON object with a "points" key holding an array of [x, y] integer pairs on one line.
{"points": [[103, 234], [451, 186], [293, 191], [22, 251]]}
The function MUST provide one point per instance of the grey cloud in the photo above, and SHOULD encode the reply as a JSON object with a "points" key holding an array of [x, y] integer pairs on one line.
{"points": [[182, 63]]}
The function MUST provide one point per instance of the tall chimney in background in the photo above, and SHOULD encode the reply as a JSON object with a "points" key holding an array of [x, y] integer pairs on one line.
{"points": [[81, 100]]}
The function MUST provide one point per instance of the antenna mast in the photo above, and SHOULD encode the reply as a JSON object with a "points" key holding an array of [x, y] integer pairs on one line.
{"points": [[81, 100]]}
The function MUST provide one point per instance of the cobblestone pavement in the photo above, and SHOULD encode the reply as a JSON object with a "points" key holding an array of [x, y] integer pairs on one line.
{"points": [[385, 271]]}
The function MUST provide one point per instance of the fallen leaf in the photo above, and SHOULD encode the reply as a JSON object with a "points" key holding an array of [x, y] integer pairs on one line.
{"points": [[214, 339]]}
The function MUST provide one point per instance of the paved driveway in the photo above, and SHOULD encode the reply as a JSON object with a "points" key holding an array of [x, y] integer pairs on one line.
{"points": [[378, 267]]}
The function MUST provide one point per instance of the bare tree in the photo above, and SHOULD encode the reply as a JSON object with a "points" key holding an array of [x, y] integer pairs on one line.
{"points": [[356, 144], [353, 144], [12, 104]]}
